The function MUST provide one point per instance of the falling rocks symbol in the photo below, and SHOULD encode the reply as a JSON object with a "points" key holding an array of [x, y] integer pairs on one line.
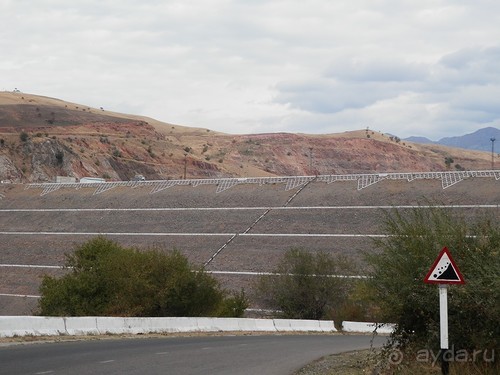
{"points": [[448, 274]]}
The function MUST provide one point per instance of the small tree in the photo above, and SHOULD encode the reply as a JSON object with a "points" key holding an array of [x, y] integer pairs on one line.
{"points": [[23, 136], [60, 157], [448, 161], [305, 286], [405, 258]]}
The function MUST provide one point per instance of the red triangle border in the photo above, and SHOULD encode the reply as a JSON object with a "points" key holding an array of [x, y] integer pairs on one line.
{"points": [[441, 253]]}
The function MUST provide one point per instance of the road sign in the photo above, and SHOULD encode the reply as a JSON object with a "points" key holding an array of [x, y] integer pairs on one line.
{"points": [[444, 270]]}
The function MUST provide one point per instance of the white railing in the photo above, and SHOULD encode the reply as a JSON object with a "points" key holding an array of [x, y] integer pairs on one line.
{"points": [[364, 180]]}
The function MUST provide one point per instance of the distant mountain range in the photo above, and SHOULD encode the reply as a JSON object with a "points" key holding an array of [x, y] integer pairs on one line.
{"points": [[479, 140]]}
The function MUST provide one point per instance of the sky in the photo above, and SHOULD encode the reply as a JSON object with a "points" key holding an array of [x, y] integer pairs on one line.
{"points": [[410, 68]]}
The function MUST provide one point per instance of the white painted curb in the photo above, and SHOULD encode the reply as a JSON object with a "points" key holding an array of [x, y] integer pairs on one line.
{"points": [[298, 325], [11, 326], [367, 327], [85, 325]]}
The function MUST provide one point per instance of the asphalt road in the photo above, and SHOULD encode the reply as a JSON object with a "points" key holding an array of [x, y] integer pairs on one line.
{"points": [[231, 355]]}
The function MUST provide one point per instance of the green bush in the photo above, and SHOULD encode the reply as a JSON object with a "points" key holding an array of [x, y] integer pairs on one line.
{"points": [[405, 258], [107, 279], [59, 157], [302, 286], [234, 305]]}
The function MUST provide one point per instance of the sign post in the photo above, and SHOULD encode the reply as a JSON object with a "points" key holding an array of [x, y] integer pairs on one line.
{"points": [[443, 272], [443, 326]]}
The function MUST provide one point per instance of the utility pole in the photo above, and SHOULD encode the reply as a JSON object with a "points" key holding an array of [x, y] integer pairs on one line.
{"points": [[310, 159], [492, 139], [185, 165]]}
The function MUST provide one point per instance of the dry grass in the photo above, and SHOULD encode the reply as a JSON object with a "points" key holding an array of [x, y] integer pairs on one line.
{"points": [[370, 362]]}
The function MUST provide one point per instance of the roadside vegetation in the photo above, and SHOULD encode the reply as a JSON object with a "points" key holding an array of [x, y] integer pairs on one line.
{"points": [[395, 292], [397, 287], [306, 286], [107, 279]]}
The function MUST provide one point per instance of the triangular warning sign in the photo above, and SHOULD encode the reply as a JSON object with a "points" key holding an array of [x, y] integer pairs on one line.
{"points": [[444, 270]]}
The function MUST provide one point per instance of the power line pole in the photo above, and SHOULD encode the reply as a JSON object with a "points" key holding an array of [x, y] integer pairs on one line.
{"points": [[492, 152], [185, 165]]}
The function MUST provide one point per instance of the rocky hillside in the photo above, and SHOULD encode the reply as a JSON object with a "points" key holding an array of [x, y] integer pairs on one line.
{"points": [[41, 138]]}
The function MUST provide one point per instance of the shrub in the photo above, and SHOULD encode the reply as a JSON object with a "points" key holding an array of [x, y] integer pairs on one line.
{"points": [[448, 161], [107, 279], [234, 305], [59, 157], [23, 136], [302, 286], [150, 151]]}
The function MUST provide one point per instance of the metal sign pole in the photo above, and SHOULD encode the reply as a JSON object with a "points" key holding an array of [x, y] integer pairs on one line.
{"points": [[443, 314], [443, 324]]}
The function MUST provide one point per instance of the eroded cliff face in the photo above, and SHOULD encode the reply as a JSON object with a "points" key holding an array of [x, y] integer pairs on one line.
{"points": [[47, 158], [110, 151], [36, 162], [8, 171]]}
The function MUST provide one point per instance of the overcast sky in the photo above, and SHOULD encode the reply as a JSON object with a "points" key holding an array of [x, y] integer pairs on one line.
{"points": [[407, 67]]}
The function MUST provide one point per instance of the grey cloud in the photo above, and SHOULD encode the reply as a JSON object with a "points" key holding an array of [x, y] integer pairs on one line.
{"points": [[481, 101], [471, 66], [353, 84], [459, 59], [464, 84], [331, 96], [378, 71]]}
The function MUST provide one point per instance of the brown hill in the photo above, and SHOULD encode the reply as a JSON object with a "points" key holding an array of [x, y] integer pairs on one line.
{"points": [[42, 137]]}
